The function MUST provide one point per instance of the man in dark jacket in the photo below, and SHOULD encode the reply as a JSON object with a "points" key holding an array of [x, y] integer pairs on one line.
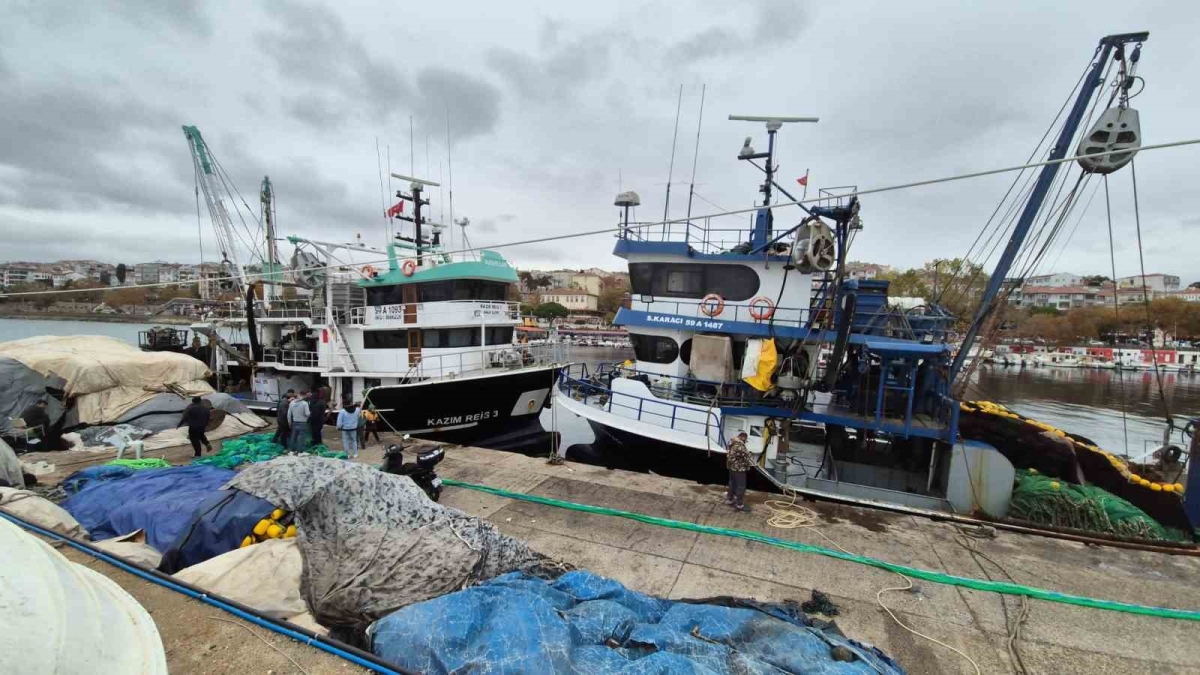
{"points": [[282, 430], [316, 415], [196, 417]]}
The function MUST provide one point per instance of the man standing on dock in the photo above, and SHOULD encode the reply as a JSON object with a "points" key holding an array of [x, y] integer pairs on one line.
{"points": [[196, 417], [316, 416], [282, 429], [737, 459], [298, 422]]}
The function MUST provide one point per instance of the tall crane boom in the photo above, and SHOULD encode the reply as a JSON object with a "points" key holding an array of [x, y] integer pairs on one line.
{"points": [[214, 197]]}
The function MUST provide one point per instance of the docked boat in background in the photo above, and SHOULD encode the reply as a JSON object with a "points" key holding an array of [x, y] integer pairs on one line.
{"points": [[427, 340], [843, 394]]}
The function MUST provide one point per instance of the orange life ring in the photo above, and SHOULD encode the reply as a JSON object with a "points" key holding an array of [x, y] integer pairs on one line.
{"points": [[368, 271], [408, 268], [712, 305], [762, 308]]}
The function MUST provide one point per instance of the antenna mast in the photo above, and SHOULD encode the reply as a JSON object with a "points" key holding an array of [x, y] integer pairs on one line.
{"points": [[450, 167], [696, 153], [671, 170]]}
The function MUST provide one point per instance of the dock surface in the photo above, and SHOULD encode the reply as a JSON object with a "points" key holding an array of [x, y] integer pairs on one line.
{"points": [[1054, 637]]}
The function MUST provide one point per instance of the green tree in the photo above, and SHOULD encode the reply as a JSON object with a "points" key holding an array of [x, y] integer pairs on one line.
{"points": [[1095, 280], [550, 310], [121, 272]]}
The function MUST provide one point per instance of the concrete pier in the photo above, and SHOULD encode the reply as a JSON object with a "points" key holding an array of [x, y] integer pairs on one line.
{"points": [[1054, 638]]}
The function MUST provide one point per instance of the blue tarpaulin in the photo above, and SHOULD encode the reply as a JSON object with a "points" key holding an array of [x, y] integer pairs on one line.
{"points": [[159, 501], [217, 526], [585, 623], [94, 474]]}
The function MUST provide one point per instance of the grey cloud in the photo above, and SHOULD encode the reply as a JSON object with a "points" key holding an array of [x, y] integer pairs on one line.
{"points": [[187, 16], [312, 46], [776, 22], [68, 146], [561, 68], [473, 104], [489, 225]]}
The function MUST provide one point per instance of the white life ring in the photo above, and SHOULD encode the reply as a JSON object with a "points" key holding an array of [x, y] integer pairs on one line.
{"points": [[408, 268]]}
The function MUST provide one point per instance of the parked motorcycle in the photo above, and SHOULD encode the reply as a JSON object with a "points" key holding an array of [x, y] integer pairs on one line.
{"points": [[421, 471]]}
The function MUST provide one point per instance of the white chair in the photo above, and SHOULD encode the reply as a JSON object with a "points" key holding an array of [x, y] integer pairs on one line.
{"points": [[135, 446], [19, 429]]}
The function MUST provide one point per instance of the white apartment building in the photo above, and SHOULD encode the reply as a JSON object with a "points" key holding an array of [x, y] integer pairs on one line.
{"points": [[1156, 283], [1059, 279]]}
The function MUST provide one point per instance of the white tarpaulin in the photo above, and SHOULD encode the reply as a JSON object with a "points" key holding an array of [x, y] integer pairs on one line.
{"points": [[107, 376], [31, 507], [61, 617], [264, 576]]}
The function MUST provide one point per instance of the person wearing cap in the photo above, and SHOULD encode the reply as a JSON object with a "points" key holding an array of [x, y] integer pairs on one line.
{"points": [[737, 460]]}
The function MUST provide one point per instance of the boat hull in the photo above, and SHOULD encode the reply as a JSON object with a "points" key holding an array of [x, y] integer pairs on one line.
{"points": [[468, 409]]}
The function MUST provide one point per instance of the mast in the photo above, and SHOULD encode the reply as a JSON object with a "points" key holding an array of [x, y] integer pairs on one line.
{"points": [[1041, 188], [274, 270], [416, 186], [695, 153], [214, 196], [671, 168]]}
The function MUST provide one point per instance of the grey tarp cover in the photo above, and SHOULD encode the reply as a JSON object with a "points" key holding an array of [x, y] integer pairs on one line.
{"points": [[372, 542], [23, 386]]}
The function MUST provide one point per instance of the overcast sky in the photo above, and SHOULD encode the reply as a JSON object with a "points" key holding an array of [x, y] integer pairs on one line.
{"points": [[554, 106]]}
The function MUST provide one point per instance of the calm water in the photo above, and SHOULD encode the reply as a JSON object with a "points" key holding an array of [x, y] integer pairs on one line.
{"points": [[16, 329], [1086, 402]]}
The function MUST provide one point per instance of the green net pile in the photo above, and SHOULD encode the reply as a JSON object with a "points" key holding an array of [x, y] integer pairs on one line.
{"points": [[1049, 501], [257, 448], [137, 464]]}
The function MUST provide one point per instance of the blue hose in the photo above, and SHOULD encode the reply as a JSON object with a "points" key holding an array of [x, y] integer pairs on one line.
{"points": [[256, 620]]}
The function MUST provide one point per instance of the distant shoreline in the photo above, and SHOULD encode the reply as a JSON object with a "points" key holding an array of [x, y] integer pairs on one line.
{"points": [[97, 318]]}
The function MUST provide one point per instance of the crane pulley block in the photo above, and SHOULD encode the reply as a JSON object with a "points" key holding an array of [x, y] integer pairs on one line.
{"points": [[1117, 129]]}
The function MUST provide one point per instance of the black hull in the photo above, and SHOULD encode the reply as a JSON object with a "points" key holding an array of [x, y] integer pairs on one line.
{"points": [[469, 410], [616, 448]]}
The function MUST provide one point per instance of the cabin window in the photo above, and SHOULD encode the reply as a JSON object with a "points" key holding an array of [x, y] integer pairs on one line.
{"points": [[385, 339], [654, 348], [441, 291], [693, 280], [500, 335], [383, 295], [462, 289], [685, 351], [447, 338]]}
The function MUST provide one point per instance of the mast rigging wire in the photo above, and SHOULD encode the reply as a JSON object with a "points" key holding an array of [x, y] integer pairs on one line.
{"points": [[1112, 256], [618, 228]]}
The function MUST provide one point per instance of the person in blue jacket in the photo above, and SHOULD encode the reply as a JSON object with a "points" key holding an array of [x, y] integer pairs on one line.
{"points": [[348, 421]]}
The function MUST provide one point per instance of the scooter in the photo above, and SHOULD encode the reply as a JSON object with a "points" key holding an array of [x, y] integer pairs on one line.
{"points": [[420, 471]]}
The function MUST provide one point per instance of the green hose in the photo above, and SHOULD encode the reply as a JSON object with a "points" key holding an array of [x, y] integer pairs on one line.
{"points": [[1003, 587]]}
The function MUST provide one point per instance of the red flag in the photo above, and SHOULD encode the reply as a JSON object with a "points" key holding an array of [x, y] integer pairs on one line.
{"points": [[396, 209], [803, 181]]}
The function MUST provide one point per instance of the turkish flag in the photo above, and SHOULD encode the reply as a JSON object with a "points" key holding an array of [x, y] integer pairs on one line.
{"points": [[396, 209], [803, 181]]}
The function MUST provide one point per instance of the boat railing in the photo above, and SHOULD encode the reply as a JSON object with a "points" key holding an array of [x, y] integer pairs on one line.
{"points": [[703, 235], [780, 316], [689, 389], [280, 309], [413, 366], [577, 382], [291, 357]]}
